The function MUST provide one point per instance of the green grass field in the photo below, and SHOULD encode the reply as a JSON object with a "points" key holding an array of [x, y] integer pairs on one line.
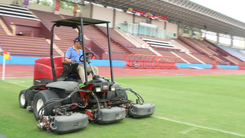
{"points": [[208, 106]]}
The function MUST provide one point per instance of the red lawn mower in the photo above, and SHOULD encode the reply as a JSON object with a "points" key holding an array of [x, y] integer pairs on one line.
{"points": [[55, 98]]}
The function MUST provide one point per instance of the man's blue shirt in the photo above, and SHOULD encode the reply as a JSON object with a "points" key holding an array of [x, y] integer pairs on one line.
{"points": [[72, 54]]}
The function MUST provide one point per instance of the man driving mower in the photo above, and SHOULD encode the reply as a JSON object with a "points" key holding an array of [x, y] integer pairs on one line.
{"points": [[73, 53]]}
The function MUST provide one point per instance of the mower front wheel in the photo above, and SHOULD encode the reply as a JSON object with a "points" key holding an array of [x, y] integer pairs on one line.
{"points": [[40, 99], [22, 99]]}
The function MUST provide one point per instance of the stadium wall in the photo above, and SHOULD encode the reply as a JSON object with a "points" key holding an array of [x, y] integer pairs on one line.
{"points": [[102, 13], [204, 66], [18, 60], [159, 24], [86, 11], [140, 19], [172, 28], [121, 17], [7, 1], [25, 26]]}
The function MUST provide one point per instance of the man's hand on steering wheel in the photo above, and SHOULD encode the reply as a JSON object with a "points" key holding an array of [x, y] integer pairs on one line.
{"points": [[89, 55]]}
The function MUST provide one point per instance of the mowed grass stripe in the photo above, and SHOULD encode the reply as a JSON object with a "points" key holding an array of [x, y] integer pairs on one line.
{"points": [[213, 101]]}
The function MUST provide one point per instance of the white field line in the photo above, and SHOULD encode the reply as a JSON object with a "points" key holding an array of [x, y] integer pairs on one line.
{"points": [[214, 129], [135, 77], [17, 84], [189, 130]]}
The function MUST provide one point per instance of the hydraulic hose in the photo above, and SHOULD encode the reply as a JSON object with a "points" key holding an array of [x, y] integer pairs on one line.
{"points": [[135, 93], [98, 106], [54, 100]]}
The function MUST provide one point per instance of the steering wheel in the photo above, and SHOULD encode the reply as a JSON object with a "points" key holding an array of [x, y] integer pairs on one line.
{"points": [[89, 55]]}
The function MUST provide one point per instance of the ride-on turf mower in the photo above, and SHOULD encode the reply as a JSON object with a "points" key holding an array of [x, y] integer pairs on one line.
{"points": [[56, 96]]}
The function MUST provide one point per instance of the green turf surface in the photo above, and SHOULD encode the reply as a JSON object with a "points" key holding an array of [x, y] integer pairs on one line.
{"points": [[210, 106]]}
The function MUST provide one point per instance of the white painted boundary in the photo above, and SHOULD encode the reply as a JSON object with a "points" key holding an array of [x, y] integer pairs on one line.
{"points": [[189, 130], [17, 84], [214, 129]]}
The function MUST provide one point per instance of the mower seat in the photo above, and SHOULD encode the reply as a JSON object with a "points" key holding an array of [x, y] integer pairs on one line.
{"points": [[70, 70], [70, 67]]}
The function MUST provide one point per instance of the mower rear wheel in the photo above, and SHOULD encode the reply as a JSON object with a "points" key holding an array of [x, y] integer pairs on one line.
{"points": [[22, 99], [40, 99]]}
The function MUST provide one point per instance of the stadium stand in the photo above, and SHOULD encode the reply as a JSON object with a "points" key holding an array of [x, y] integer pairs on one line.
{"points": [[184, 55], [134, 39], [202, 48], [92, 32], [198, 56], [124, 42], [161, 43], [65, 35], [169, 54], [100, 39], [186, 49], [233, 53], [242, 52], [16, 11], [227, 58], [179, 46], [20, 43], [24, 46], [211, 50], [46, 17], [203, 58], [191, 50], [188, 58]]}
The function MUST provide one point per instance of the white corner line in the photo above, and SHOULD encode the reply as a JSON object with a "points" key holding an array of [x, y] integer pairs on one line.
{"points": [[214, 129], [17, 84]]}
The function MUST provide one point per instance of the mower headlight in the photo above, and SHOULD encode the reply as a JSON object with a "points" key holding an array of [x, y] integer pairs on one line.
{"points": [[113, 88], [98, 89]]}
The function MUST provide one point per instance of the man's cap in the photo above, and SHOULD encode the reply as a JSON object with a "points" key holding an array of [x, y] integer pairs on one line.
{"points": [[78, 39]]}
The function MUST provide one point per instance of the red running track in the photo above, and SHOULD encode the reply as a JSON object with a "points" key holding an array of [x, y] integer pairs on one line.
{"points": [[26, 71]]}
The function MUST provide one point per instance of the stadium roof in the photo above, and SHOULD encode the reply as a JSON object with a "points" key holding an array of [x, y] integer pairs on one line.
{"points": [[183, 12]]}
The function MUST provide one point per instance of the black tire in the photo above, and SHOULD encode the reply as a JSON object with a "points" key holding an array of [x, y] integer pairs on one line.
{"points": [[22, 99], [40, 98], [29, 96]]}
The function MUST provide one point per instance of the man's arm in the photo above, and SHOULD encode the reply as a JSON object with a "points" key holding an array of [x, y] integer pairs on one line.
{"points": [[68, 56], [67, 60]]}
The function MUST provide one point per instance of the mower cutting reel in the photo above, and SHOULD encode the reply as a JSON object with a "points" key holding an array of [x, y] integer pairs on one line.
{"points": [[56, 94]]}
